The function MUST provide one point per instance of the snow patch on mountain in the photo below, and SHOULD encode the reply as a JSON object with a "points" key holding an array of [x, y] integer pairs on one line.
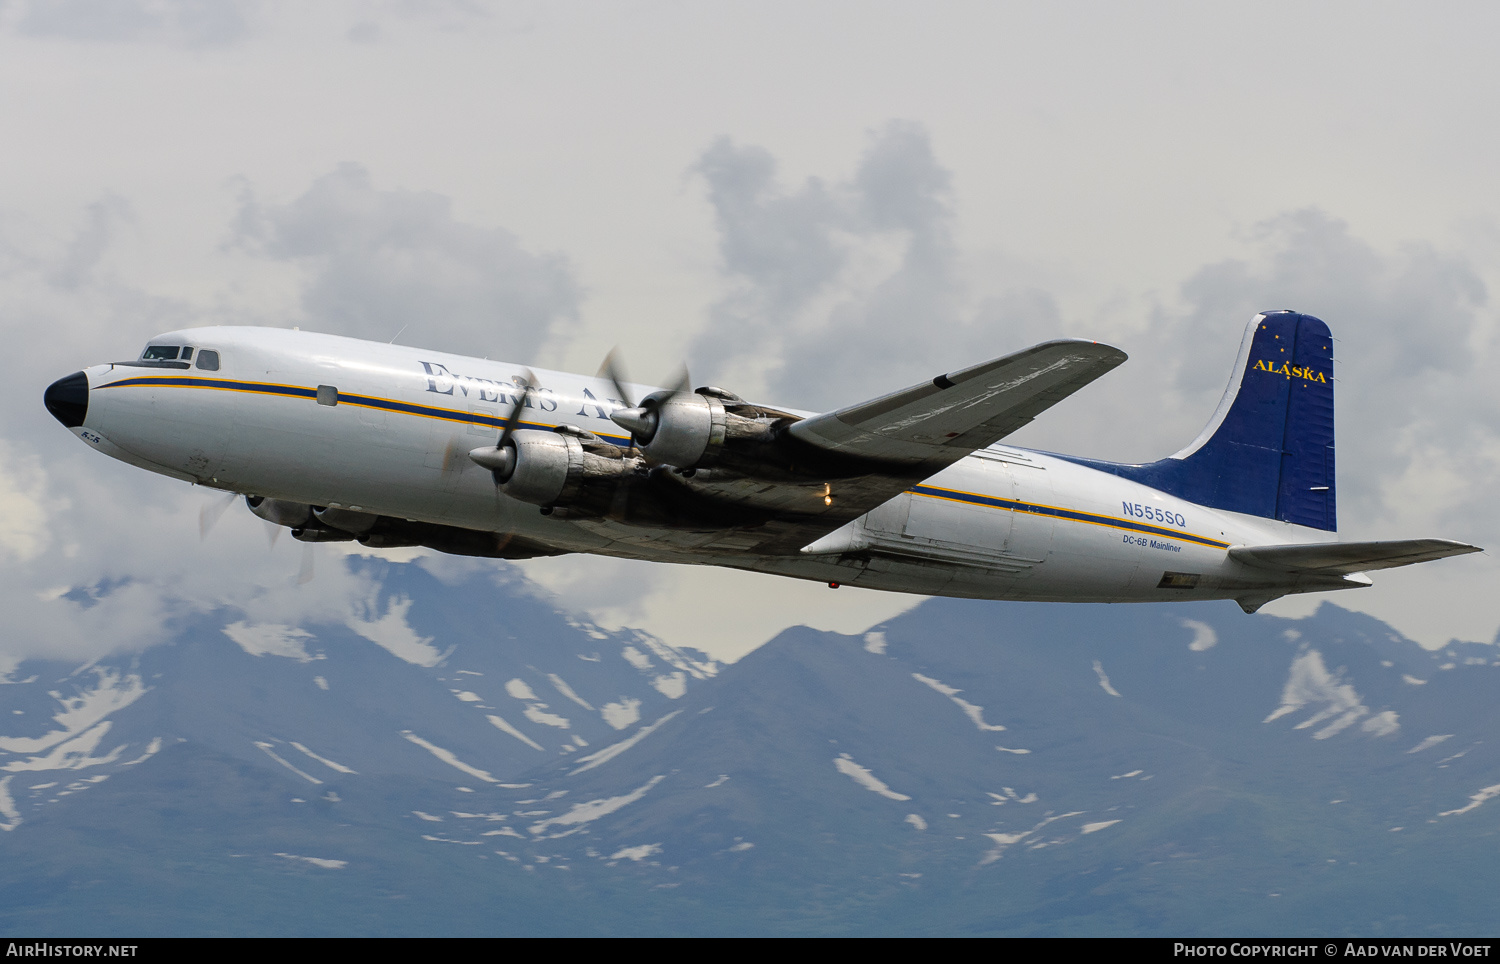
{"points": [[1009, 796], [562, 687], [112, 691], [672, 687], [599, 757], [336, 767], [8, 805], [1486, 793], [505, 727], [845, 764], [325, 862], [74, 754], [583, 813], [621, 714], [536, 711], [636, 854], [678, 659], [272, 639], [973, 712], [448, 757], [266, 748], [875, 643], [152, 748], [1430, 742], [518, 689], [1309, 683], [1004, 841], [392, 633], [1104, 680]]}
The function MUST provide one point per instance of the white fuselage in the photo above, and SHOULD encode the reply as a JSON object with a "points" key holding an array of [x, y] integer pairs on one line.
{"points": [[1003, 523]]}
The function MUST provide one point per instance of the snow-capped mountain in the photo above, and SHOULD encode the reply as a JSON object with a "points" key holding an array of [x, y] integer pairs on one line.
{"points": [[461, 758], [473, 683]]}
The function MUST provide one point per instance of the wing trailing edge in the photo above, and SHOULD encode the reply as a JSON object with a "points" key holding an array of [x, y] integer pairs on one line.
{"points": [[938, 422]]}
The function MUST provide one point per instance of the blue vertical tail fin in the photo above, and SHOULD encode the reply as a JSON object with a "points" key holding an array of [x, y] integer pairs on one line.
{"points": [[1268, 450]]}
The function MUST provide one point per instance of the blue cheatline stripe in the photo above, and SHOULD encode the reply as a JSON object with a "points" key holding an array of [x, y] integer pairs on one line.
{"points": [[345, 398], [1072, 515], [494, 421]]}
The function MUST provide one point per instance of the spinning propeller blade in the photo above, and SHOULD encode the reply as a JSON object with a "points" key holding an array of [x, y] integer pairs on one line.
{"points": [[209, 515]]}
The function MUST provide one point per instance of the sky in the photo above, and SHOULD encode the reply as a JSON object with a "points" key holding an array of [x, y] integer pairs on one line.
{"points": [[810, 203]]}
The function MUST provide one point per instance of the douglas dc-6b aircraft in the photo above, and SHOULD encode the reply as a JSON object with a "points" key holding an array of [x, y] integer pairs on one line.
{"points": [[340, 439]]}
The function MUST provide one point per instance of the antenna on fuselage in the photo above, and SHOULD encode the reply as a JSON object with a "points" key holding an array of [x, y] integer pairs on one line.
{"points": [[398, 334]]}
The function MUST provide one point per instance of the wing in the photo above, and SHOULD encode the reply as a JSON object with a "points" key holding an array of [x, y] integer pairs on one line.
{"points": [[1342, 558], [936, 423], [807, 477]]}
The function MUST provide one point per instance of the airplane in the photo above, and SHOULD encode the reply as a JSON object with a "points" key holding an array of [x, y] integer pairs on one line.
{"points": [[339, 439]]}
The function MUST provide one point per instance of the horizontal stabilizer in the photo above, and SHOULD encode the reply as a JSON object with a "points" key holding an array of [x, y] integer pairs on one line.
{"points": [[938, 422], [1342, 558]]}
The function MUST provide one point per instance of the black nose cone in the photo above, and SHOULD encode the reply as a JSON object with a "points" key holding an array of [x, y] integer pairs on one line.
{"points": [[68, 399]]}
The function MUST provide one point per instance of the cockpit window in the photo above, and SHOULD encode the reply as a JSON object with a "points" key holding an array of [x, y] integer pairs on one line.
{"points": [[208, 360], [187, 354], [161, 352]]}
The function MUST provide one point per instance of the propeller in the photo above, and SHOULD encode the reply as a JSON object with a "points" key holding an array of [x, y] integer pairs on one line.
{"points": [[501, 460], [305, 571], [210, 513], [639, 420], [611, 369]]}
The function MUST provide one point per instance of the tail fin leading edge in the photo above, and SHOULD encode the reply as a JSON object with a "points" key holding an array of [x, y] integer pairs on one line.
{"points": [[1268, 450]]}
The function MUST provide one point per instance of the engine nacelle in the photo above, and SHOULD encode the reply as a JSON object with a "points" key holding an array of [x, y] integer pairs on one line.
{"points": [[679, 428], [550, 468], [279, 511], [347, 520]]}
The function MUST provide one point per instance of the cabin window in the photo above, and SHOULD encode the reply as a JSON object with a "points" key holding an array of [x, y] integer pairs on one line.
{"points": [[208, 360], [161, 352]]}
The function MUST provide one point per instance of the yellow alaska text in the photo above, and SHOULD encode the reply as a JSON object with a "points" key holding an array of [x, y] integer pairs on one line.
{"points": [[1290, 371]]}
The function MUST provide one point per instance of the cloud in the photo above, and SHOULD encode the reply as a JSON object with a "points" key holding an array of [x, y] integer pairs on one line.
{"points": [[187, 23], [841, 290], [378, 261], [1413, 343]]}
